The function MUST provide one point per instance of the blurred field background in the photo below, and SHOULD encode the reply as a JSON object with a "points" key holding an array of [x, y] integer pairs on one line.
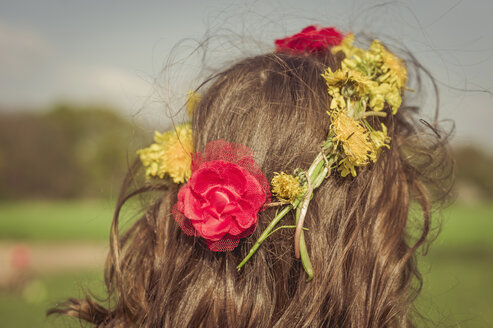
{"points": [[82, 87]]}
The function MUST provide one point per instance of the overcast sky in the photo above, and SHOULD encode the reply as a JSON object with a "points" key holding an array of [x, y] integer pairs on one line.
{"points": [[113, 52]]}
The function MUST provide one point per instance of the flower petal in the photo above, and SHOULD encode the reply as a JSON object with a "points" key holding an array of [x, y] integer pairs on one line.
{"points": [[254, 192], [202, 179], [212, 228], [219, 197], [193, 205]]}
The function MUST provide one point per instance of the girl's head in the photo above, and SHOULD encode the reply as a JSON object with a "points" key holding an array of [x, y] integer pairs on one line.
{"points": [[360, 239]]}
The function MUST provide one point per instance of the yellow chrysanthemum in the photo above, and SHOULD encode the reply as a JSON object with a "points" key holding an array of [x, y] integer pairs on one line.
{"points": [[286, 187], [366, 62], [355, 140], [338, 101], [394, 69], [193, 98], [385, 92], [346, 167], [170, 154], [380, 140], [346, 47], [394, 99], [365, 83], [386, 73], [347, 78], [346, 83]]}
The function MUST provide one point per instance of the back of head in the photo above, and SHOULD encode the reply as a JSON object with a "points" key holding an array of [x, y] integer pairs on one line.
{"points": [[358, 237]]}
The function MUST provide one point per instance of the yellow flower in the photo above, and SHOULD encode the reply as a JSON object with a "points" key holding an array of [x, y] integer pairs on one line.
{"points": [[394, 67], [338, 101], [347, 47], [377, 101], [355, 140], [367, 79], [286, 187], [394, 99], [385, 92], [366, 62], [170, 154], [346, 84], [380, 140], [379, 95], [345, 167], [193, 98], [350, 79]]}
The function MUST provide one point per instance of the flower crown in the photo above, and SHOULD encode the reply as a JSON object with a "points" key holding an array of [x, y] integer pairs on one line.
{"points": [[225, 189]]}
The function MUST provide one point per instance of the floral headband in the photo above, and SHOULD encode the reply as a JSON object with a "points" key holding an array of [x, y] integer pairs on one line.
{"points": [[225, 188]]}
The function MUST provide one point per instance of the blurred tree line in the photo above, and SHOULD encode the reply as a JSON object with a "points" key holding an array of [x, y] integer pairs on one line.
{"points": [[73, 151], [67, 152], [474, 173]]}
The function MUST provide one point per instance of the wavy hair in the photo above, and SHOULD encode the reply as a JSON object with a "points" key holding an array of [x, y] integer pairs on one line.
{"points": [[362, 239]]}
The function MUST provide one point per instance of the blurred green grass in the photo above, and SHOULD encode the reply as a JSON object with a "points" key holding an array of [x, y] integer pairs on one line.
{"points": [[466, 226], [458, 271], [54, 221], [27, 307]]}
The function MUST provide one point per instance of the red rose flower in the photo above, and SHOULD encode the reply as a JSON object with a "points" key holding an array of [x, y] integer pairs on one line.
{"points": [[223, 196], [310, 40]]}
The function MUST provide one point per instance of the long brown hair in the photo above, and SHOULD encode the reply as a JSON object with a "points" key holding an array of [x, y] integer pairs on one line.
{"points": [[361, 239]]}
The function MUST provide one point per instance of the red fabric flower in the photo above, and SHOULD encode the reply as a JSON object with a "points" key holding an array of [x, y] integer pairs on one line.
{"points": [[223, 196], [310, 40]]}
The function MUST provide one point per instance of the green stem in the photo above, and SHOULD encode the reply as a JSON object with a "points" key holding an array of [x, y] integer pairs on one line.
{"points": [[320, 178], [305, 259], [300, 218], [313, 172], [315, 164], [283, 227], [372, 113], [266, 232], [316, 173], [316, 178]]}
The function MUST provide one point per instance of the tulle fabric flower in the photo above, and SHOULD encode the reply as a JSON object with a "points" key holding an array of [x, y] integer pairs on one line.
{"points": [[223, 196], [310, 40]]}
